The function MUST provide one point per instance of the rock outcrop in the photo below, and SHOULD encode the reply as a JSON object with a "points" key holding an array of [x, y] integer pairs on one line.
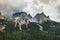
{"points": [[41, 17], [24, 18]]}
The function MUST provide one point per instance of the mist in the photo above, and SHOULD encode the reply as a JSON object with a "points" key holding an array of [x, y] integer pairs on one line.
{"points": [[49, 7]]}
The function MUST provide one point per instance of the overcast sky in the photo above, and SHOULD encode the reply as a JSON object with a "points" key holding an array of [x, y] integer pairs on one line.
{"points": [[49, 7]]}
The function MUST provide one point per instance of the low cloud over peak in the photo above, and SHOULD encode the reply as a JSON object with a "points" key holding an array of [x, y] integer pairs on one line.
{"points": [[49, 7]]}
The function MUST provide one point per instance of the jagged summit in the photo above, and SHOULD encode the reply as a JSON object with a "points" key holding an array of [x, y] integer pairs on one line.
{"points": [[24, 14], [41, 17], [43, 14], [29, 15], [40, 14], [19, 13]]}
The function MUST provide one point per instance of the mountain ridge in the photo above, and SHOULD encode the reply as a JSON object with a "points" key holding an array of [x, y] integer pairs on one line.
{"points": [[39, 17]]}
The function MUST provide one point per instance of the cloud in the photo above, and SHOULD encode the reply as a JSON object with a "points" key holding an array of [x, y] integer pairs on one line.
{"points": [[49, 7], [7, 7], [58, 8]]}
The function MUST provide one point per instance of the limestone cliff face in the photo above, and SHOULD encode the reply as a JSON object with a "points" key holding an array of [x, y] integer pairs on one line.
{"points": [[41, 17], [33, 20], [23, 17], [2, 27], [1, 17]]}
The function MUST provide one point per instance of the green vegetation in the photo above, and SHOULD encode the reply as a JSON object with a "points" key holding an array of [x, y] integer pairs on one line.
{"points": [[30, 33], [27, 35], [52, 27]]}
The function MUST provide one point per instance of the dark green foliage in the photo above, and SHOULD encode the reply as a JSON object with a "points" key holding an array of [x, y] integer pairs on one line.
{"points": [[51, 26], [46, 25], [12, 33], [33, 26], [10, 26], [24, 27], [27, 35]]}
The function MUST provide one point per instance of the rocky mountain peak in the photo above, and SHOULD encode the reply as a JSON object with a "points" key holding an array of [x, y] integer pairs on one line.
{"points": [[19, 13], [41, 17], [29, 16], [42, 14]]}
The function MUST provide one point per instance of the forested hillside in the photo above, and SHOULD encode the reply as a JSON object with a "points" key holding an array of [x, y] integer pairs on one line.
{"points": [[50, 31]]}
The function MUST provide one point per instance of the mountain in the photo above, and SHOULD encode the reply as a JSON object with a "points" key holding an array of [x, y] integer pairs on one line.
{"points": [[22, 14], [41, 17], [29, 15], [25, 27], [19, 13], [51, 31], [45, 22]]}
